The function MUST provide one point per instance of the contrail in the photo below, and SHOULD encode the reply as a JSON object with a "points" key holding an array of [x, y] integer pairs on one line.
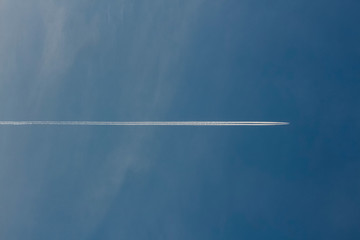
{"points": [[160, 123]]}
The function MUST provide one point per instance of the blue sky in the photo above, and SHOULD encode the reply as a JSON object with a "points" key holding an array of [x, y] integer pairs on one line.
{"points": [[172, 60]]}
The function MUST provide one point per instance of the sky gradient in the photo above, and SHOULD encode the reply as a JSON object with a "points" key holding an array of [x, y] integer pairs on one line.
{"points": [[171, 60]]}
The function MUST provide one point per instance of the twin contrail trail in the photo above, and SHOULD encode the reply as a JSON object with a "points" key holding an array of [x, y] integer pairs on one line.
{"points": [[160, 123]]}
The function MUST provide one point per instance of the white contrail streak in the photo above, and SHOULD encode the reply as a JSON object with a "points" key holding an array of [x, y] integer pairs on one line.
{"points": [[161, 123]]}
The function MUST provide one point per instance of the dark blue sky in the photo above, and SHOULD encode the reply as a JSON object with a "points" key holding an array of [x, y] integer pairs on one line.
{"points": [[122, 60]]}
